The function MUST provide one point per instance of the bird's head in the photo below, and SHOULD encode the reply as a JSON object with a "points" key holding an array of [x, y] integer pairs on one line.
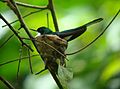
{"points": [[44, 30]]}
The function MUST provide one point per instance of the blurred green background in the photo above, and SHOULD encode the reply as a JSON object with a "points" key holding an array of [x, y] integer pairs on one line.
{"points": [[96, 67]]}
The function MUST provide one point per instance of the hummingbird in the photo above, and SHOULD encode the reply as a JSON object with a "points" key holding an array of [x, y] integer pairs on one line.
{"points": [[52, 45]]}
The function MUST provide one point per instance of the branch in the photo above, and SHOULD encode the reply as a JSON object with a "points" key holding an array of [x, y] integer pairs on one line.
{"points": [[56, 79], [6, 41], [16, 33], [25, 16], [51, 8], [17, 59], [30, 62], [13, 6], [6, 83], [31, 6], [28, 5]]}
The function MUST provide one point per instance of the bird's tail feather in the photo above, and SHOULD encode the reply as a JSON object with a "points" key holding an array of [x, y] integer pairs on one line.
{"points": [[93, 22]]}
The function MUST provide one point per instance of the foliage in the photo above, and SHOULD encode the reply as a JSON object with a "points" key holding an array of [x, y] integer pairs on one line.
{"points": [[96, 67]]}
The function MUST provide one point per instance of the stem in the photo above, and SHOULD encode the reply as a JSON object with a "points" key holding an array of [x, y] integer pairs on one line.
{"points": [[12, 3], [17, 59], [6, 41], [6, 83], [31, 6], [30, 63], [51, 8], [25, 16], [28, 5], [15, 32]]}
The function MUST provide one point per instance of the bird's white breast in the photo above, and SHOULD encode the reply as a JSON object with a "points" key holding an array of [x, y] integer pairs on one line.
{"points": [[38, 34]]}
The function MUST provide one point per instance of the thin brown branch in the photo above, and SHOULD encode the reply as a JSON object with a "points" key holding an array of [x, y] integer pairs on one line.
{"points": [[17, 59], [30, 63], [15, 32], [25, 16], [6, 83], [6, 41], [28, 5], [18, 14], [51, 8], [40, 71], [47, 19], [31, 6]]}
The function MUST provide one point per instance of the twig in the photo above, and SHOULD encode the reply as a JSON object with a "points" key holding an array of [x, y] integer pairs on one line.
{"points": [[17, 59], [28, 5], [51, 8], [47, 19], [97, 36], [25, 16], [6, 41], [31, 6], [12, 3], [30, 64], [15, 32], [40, 71], [6, 83]]}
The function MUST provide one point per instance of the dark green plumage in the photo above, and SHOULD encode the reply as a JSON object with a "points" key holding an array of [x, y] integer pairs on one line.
{"points": [[70, 34]]}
